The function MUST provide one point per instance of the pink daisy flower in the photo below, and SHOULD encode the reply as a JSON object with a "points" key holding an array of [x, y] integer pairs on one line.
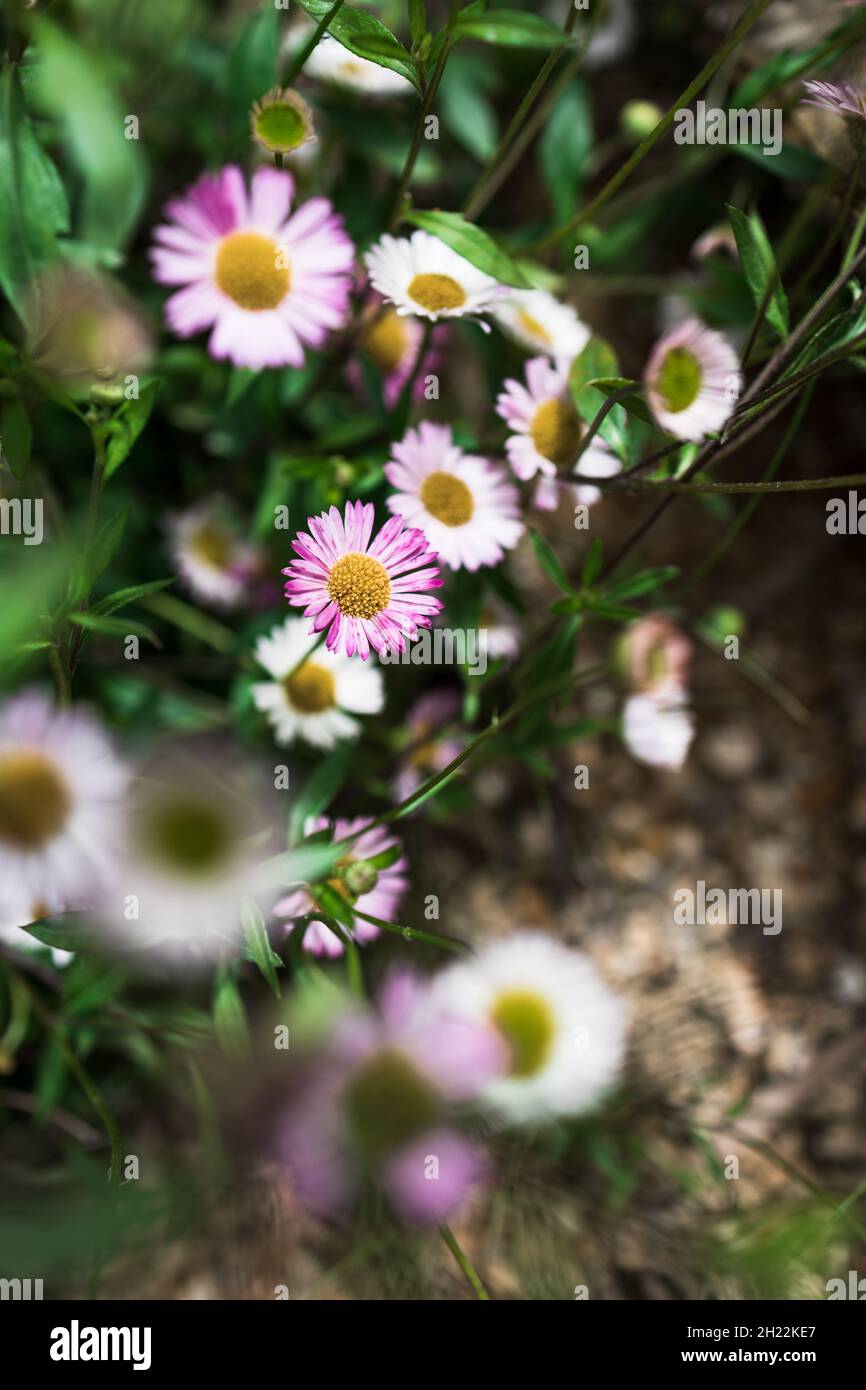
{"points": [[264, 282], [692, 380], [427, 751], [382, 900], [841, 98], [381, 1108], [547, 435], [465, 505], [366, 594]]}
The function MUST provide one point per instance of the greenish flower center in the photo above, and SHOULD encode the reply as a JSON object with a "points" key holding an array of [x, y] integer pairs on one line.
{"points": [[527, 1022], [388, 1102], [187, 835], [281, 126], [679, 380]]}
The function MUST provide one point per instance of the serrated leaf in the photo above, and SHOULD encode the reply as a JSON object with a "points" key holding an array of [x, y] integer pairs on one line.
{"points": [[126, 425], [469, 241], [759, 268], [364, 34]]}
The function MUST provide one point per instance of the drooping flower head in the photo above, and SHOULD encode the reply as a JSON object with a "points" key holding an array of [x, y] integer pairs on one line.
{"points": [[692, 380], [540, 322], [564, 1029], [547, 435], [211, 556], [380, 899], [656, 654], [83, 329], [465, 505], [381, 1109], [391, 342], [61, 786], [367, 593], [313, 693], [657, 726], [421, 275], [266, 282]]}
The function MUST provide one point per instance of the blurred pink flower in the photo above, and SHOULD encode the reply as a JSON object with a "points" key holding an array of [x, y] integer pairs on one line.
{"points": [[427, 751]]}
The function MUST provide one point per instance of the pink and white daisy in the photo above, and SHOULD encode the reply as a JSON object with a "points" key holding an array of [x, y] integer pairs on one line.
{"points": [[540, 322], [391, 342], [61, 787], [382, 1107], [366, 593], [428, 748], [211, 558], [548, 432], [381, 900], [658, 727], [265, 282], [465, 505], [421, 275], [842, 98], [692, 380]]}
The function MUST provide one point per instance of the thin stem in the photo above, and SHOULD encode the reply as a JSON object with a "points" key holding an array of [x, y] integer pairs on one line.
{"points": [[465, 1263], [447, 943], [426, 104], [789, 485], [747, 22], [303, 54]]}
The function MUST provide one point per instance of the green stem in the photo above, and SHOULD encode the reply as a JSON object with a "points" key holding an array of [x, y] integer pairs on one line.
{"points": [[747, 22], [426, 104], [465, 1263], [448, 943], [789, 485], [303, 54]]}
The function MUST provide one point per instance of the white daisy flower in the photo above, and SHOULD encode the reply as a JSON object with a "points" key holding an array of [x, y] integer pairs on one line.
{"points": [[60, 788], [658, 728], [421, 275], [209, 555], [539, 322], [692, 380], [465, 505], [331, 62], [310, 695], [564, 1027]]}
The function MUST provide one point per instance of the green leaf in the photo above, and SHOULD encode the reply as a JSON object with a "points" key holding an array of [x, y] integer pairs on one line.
{"points": [[126, 425], [258, 942], [472, 243], [792, 162], [598, 362], [467, 111], [73, 88], [16, 434], [251, 70], [121, 597], [759, 268], [549, 564], [229, 1017], [633, 405], [417, 20], [565, 148], [335, 905], [643, 583], [319, 790], [365, 35], [70, 932], [98, 556], [33, 206], [592, 564], [512, 29], [114, 627]]}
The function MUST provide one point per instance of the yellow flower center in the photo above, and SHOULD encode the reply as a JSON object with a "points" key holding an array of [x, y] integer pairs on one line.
{"points": [[35, 801], [359, 585], [447, 498], [214, 545], [534, 329], [436, 292], [388, 1102], [251, 270], [310, 689], [386, 340], [527, 1022], [555, 431]]}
